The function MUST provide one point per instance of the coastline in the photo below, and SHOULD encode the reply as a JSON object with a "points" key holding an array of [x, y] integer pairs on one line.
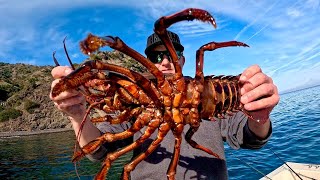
{"points": [[30, 133]]}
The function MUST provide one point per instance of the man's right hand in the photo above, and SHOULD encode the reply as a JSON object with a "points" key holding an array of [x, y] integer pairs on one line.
{"points": [[71, 102]]}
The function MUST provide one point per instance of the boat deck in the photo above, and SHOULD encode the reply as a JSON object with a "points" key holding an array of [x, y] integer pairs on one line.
{"points": [[305, 171]]}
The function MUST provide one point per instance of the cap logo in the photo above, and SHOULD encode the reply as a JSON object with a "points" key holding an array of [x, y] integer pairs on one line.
{"points": [[154, 39]]}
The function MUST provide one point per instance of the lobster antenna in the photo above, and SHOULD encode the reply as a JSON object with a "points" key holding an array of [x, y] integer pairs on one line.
{"points": [[55, 59], [65, 50]]}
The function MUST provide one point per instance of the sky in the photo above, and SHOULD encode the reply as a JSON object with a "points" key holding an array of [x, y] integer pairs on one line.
{"points": [[284, 36]]}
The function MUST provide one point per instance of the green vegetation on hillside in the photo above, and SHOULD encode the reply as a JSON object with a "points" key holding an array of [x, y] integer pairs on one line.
{"points": [[24, 93], [9, 113]]}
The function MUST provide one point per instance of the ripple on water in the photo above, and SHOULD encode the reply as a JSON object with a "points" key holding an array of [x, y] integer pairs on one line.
{"points": [[296, 138]]}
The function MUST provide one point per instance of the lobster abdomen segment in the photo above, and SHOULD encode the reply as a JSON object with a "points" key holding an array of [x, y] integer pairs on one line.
{"points": [[221, 95]]}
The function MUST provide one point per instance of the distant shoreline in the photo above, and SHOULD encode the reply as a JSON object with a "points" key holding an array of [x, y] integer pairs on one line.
{"points": [[295, 90], [30, 133]]}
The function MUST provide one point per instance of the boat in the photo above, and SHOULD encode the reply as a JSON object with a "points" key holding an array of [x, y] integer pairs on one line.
{"points": [[305, 172]]}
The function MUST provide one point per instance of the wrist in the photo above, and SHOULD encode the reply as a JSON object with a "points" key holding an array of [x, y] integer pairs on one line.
{"points": [[260, 129], [76, 119]]}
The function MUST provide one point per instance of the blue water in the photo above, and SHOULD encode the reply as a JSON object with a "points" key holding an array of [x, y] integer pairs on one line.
{"points": [[47, 156], [296, 138]]}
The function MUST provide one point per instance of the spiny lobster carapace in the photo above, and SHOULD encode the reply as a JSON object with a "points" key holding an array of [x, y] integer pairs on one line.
{"points": [[168, 102]]}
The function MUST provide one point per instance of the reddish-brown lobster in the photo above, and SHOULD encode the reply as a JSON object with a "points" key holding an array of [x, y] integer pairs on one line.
{"points": [[166, 103]]}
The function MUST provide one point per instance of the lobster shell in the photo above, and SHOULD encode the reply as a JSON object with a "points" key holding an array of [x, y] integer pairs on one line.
{"points": [[154, 100]]}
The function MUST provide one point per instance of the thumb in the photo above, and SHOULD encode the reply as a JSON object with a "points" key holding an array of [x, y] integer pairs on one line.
{"points": [[60, 71]]}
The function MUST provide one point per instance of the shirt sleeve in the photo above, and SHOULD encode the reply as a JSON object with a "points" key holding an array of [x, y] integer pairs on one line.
{"points": [[235, 131], [104, 127], [251, 141]]}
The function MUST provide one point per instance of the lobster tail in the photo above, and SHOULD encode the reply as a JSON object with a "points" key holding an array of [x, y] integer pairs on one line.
{"points": [[221, 96]]}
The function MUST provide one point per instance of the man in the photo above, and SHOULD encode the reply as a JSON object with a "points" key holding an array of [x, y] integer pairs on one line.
{"points": [[259, 95]]}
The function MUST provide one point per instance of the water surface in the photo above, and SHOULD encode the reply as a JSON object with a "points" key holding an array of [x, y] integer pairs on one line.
{"points": [[296, 138]]}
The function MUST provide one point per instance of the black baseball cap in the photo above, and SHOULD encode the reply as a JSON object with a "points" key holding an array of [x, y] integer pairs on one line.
{"points": [[154, 40]]}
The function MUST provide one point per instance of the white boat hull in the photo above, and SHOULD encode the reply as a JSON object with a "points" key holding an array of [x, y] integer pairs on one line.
{"points": [[305, 171]]}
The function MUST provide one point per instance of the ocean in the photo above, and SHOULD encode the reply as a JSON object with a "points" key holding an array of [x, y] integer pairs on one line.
{"points": [[295, 138]]}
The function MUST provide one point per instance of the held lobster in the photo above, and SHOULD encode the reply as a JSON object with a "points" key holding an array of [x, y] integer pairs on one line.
{"points": [[169, 102]]}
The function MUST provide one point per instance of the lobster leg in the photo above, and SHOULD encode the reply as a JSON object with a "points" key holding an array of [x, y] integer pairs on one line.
{"points": [[80, 153], [129, 92], [83, 74], [85, 117], [141, 121], [124, 116], [111, 157], [102, 85], [222, 90], [74, 80], [163, 130], [195, 145], [135, 92], [137, 78], [92, 43], [176, 153], [164, 22], [210, 47]]}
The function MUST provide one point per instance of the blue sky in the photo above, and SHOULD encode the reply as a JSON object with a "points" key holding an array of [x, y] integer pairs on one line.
{"points": [[284, 36]]}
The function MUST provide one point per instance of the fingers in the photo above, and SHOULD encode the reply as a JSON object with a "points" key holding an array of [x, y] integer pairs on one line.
{"points": [[57, 73], [250, 72], [262, 97], [74, 100], [265, 103], [66, 95], [258, 91], [255, 81], [263, 90], [63, 95], [60, 71], [71, 102]]}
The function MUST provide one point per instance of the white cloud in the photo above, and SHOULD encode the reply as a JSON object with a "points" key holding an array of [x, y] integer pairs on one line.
{"points": [[294, 13], [313, 4], [283, 35]]}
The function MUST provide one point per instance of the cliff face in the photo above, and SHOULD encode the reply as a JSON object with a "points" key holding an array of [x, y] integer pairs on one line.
{"points": [[25, 102], [24, 94]]}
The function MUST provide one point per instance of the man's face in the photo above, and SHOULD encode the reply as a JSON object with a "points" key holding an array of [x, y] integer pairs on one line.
{"points": [[165, 63]]}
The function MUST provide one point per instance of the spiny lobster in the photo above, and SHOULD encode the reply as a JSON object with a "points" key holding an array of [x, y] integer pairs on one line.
{"points": [[169, 102]]}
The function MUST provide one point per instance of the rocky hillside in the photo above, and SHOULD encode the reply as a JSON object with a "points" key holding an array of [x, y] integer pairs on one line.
{"points": [[24, 94]]}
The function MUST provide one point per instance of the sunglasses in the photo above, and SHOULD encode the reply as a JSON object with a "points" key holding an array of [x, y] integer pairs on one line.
{"points": [[157, 56]]}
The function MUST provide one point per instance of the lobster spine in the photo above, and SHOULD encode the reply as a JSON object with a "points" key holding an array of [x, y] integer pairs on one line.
{"points": [[221, 95]]}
